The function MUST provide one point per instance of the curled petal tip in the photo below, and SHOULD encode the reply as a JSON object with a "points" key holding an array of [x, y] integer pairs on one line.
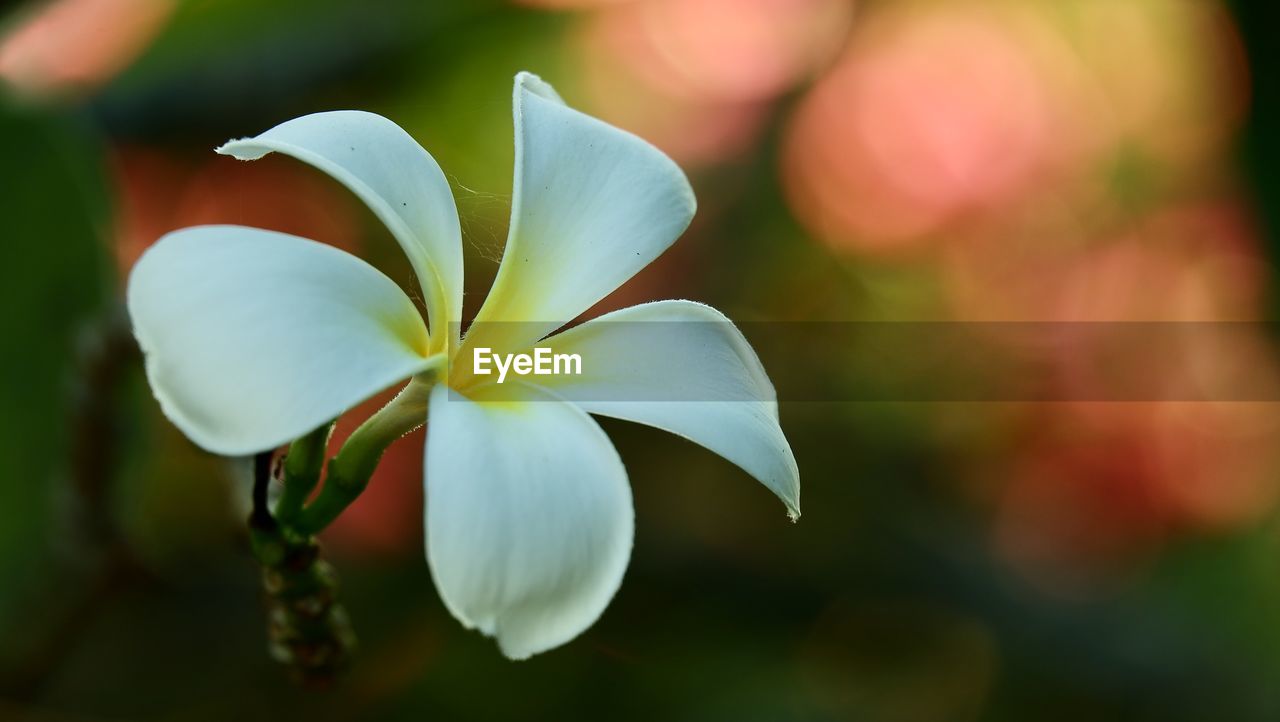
{"points": [[534, 84], [237, 149], [792, 502], [515, 655]]}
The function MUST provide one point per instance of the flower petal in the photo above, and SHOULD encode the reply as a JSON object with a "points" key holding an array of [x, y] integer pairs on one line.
{"points": [[254, 338], [399, 181], [529, 518], [683, 367], [591, 206]]}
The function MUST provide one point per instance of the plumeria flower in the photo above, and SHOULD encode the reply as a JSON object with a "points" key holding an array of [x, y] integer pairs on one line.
{"points": [[255, 338]]}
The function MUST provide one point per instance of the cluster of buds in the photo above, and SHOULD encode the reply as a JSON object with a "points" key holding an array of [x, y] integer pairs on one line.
{"points": [[308, 629]]}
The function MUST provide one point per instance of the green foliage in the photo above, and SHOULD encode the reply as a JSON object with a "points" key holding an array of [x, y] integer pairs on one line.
{"points": [[53, 285]]}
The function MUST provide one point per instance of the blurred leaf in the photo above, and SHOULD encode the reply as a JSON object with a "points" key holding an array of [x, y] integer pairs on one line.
{"points": [[52, 282]]}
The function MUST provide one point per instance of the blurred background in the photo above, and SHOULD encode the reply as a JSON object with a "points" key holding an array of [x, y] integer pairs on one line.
{"points": [[1051, 555]]}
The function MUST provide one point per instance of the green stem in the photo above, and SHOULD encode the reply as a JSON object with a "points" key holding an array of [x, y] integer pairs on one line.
{"points": [[302, 468], [350, 469], [309, 629]]}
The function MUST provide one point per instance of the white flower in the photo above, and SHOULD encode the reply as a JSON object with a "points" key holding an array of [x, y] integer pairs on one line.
{"points": [[255, 338]]}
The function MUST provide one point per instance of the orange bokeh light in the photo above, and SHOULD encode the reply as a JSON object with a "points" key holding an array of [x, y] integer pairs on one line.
{"points": [[943, 118], [1104, 485], [726, 50], [161, 192], [652, 67], [385, 521], [692, 131]]}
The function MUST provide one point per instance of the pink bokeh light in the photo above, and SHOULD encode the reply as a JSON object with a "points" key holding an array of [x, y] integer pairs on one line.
{"points": [[927, 117], [74, 45]]}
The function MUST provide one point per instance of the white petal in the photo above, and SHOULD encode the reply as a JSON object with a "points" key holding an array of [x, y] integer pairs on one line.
{"points": [[254, 338], [529, 518], [591, 206], [399, 181], [683, 367]]}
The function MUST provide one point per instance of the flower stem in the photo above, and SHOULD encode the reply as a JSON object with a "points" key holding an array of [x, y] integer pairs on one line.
{"points": [[302, 468], [308, 629], [349, 471]]}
